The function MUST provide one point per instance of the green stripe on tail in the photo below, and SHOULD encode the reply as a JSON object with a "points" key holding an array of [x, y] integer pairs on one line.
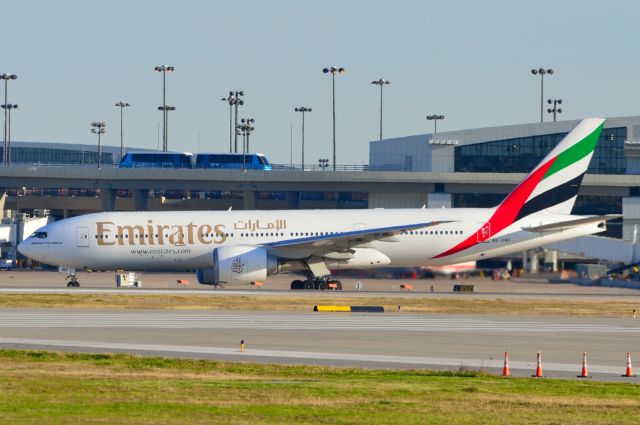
{"points": [[576, 152]]}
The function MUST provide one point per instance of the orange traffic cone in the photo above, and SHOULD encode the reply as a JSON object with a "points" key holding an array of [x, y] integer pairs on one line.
{"points": [[629, 372], [585, 370], [538, 366], [505, 368]]}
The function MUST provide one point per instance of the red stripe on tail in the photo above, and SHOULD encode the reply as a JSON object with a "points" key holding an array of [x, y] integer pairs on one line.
{"points": [[507, 211]]}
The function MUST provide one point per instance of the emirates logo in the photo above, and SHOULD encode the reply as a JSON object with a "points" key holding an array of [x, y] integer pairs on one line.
{"points": [[484, 232], [237, 266]]}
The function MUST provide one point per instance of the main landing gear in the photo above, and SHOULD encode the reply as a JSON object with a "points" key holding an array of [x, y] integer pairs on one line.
{"points": [[317, 283]]}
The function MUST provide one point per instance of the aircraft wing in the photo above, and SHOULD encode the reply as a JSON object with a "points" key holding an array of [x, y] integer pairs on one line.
{"points": [[569, 224], [345, 240]]}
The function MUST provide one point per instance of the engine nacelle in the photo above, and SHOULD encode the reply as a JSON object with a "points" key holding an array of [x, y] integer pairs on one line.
{"points": [[238, 264]]}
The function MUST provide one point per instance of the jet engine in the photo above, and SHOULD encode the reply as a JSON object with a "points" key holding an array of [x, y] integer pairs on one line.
{"points": [[238, 264]]}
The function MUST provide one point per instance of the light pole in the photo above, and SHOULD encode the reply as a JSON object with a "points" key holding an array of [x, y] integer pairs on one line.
{"points": [[6, 77], [555, 110], [244, 129], [333, 71], [230, 100], [165, 110], [99, 127], [323, 163], [249, 128], [303, 110], [8, 107], [542, 72], [121, 105], [234, 101], [381, 82], [164, 69], [435, 119]]}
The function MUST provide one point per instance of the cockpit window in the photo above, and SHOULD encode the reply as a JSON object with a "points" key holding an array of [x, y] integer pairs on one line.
{"points": [[39, 235]]}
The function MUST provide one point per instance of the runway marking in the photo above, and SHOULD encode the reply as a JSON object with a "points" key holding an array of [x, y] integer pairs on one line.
{"points": [[300, 355], [251, 320]]}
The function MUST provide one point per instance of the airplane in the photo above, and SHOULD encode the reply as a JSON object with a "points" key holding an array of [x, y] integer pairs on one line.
{"points": [[234, 247]]}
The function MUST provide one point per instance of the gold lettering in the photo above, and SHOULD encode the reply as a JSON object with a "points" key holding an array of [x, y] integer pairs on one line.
{"points": [[177, 237], [161, 229], [190, 228], [103, 230], [150, 231], [131, 233], [203, 233], [181, 235], [220, 236]]}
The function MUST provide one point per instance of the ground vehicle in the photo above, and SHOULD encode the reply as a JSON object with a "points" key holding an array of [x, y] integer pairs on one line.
{"points": [[156, 160], [252, 161]]}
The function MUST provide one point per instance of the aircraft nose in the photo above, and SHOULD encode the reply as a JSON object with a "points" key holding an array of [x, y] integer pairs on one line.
{"points": [[24, 248]]}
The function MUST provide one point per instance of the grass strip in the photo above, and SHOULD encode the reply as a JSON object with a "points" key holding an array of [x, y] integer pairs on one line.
{"points": [[67, 388], [291, 303]]}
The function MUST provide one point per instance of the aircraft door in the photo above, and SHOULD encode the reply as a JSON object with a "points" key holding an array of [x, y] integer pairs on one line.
{"points": [[484, 231], [82, 237]]}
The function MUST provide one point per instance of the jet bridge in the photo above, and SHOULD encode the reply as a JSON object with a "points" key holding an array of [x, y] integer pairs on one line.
{"points": [[17, 226], [601, 248]]}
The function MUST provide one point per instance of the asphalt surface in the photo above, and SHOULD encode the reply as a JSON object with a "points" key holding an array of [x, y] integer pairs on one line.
{"points": [[389, 340], [50, 282]]}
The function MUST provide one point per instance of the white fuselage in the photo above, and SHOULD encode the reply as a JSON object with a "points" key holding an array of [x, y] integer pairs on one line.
{"points": [[186, 240]]}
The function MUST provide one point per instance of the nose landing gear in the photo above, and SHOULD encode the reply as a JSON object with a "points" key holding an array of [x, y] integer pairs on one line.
{"points": [[72, 280]]}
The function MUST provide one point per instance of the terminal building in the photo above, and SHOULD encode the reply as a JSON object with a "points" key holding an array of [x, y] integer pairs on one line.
{"points": [[490, 153], [35, 153]]}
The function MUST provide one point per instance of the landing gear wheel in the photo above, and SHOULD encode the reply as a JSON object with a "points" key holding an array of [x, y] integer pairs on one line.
{"points": [[322, 286], [337, 283], [308, 284], [73, 284], [297, 284]]}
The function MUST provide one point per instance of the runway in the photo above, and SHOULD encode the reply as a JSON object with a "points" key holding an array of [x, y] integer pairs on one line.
{"points": [[301, 321], [365, 340]]}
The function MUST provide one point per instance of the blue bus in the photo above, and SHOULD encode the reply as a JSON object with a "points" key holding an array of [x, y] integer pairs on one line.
{"points": [[156, 160], [252, 161]]}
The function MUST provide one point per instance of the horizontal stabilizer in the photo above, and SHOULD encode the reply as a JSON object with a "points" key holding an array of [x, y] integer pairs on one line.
{"points": [[569, 224]]}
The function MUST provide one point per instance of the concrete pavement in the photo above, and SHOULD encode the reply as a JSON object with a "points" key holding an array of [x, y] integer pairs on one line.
{"points": [[362, 340]]}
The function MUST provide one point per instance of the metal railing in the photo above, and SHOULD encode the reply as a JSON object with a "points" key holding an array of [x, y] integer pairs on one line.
{"points": [[275, 167]]}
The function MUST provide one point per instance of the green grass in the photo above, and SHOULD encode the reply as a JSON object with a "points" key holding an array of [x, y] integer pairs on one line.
{"points": [[304, 303], [64, 388]]}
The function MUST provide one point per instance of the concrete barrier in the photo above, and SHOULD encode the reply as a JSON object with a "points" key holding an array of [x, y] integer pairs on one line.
{"points": [[332, 308], [463, 288], [367, 309]]}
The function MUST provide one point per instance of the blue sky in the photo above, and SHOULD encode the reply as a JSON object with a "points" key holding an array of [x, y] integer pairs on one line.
{"points": [[468, 60]]}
